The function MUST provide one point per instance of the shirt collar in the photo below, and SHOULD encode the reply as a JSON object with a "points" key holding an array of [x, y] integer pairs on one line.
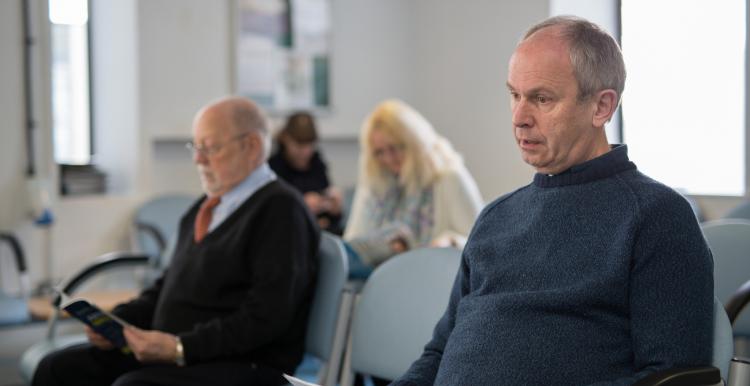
{"points": [[240, 193], [612, 162]]}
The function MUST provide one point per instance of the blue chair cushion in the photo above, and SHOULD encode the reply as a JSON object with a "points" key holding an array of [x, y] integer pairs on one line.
{"points": [[13, 310]]}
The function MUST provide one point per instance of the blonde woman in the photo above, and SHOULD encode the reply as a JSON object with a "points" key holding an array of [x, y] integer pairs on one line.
{"points": [[413, 189]]}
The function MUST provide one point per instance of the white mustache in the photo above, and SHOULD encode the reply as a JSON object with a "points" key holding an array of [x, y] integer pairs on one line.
{"points": [[204, 171]]}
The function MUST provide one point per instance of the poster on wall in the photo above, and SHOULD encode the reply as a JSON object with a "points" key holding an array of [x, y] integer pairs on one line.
{"points": [[283, 53]]}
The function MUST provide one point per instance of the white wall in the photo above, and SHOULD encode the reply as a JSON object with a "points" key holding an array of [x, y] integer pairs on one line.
{"points": [[184, 61], [602, 12], [461, 58], [372, 55], [13, 129], [115, 86]]}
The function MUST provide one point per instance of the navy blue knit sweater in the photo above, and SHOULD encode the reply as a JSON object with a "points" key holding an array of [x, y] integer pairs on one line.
{"points": [[598, 275]]}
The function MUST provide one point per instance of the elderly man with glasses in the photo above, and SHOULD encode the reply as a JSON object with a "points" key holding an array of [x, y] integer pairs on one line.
{"points": [[232, 307]]}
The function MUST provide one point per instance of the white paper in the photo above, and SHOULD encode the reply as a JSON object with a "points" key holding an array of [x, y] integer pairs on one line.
{"points": [[298, 382]]}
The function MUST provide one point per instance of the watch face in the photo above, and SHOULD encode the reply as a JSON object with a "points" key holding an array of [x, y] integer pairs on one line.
{"points": [[180, 354]]}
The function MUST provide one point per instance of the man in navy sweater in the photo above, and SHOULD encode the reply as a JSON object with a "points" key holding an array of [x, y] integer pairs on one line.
{"points": [[593, 273], [232, 307]]}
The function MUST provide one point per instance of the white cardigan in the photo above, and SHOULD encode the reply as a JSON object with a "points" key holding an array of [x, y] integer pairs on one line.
{"points": [[457, 204]]}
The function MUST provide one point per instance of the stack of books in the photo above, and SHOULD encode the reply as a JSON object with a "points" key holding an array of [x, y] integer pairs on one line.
{"points": [[82, 179]]}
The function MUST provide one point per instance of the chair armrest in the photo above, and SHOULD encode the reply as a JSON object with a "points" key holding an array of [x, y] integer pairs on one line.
{"points": [[738, 301], [154, 232], [102, 263], [17, 250], [692, 376]]}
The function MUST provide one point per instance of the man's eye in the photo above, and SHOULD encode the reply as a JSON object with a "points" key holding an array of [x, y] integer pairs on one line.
{"points": [[542, 99]]}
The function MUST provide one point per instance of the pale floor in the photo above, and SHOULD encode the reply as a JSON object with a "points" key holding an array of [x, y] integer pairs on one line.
{"points": [[14, 340]]}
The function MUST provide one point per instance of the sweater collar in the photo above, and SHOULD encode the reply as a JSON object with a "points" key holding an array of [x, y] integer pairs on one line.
{"points": [[608, 164]]}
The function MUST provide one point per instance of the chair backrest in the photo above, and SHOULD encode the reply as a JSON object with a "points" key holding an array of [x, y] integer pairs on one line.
{"points": [[741, 211], [156, 221], [346, 206], [14, 309], [693, 205], [333, 269], [723, 340], [398, 308], [729, 240], [20, 261]]}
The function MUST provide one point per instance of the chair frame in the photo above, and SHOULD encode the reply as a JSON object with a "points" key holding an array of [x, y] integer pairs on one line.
{"points": [[738, 301], [102, 263], [328, 375], [23, 275]]}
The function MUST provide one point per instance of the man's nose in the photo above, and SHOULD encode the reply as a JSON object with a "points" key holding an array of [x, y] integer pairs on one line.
{"points": [[199, 157], [522, 116]]}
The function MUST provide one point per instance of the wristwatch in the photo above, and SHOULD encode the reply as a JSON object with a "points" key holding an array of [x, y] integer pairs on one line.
{"points": [[179, 358]]}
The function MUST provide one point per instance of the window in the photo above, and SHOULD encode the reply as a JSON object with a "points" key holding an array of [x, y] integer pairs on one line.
{"points": [[71, 117], [684, 100]]}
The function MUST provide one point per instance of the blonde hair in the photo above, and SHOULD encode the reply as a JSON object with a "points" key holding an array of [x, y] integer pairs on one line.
{"points": [[426, 154]]}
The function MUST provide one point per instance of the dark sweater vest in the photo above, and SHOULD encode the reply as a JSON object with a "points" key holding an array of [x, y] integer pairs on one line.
{"points": [[598, 275], [244, 292]]}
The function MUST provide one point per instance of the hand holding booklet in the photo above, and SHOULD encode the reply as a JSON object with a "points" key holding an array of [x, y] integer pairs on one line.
{"points": [[375, 247], [103, 323]]}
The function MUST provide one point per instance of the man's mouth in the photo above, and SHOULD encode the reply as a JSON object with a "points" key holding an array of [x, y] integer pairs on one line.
{"points": [[529, 143]]}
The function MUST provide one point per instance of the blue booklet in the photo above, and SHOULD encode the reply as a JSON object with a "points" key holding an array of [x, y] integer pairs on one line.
{"points": [[104, 323]]}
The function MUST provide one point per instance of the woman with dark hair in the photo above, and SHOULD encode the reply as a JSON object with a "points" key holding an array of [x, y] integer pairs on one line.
{"points": [[299, 163]]}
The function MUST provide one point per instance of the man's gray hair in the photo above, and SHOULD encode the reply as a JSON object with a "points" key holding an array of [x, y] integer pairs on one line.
{"points": [[249, 118], [594, 54]]}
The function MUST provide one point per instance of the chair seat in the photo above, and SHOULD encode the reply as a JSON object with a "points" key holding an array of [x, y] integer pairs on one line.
{"points": [[31, 357], [13, 311], [309, 369]]}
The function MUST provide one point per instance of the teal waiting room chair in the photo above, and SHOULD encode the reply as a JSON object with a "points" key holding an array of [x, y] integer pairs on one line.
{"points": [[729, 240], [326, 336], [14, 309], [396, 311], [156, 222]]}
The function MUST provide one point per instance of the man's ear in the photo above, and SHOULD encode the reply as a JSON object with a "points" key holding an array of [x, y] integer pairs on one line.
{"points": [[605, 106], [256, 142]]}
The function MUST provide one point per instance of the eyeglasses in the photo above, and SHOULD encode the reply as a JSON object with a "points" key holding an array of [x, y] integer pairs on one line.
{"points": [[208, 151], [391, 150]]}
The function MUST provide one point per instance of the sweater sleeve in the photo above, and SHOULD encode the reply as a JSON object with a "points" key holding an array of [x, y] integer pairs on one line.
{"points": [[459, 202], [139, 311], [282, 272], [671, 291], [424, 370], [356, 223]]}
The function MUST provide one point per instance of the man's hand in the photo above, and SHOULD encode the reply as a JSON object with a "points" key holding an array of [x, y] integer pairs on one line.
{"points": [[398, 245], [444, 241], [97, 340], [151, 346], [335, 200], [315, 202]]}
